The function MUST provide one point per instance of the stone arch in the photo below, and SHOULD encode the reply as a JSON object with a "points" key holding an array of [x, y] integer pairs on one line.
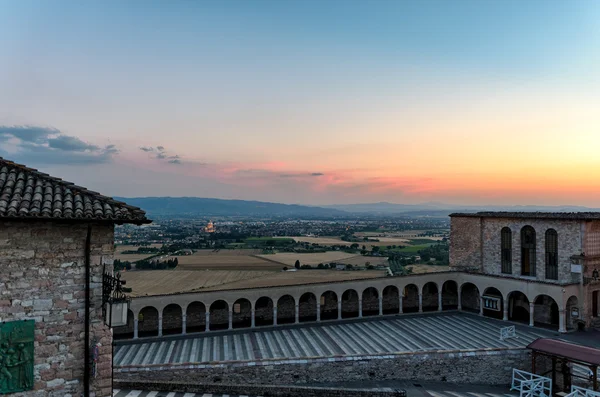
{"points": [[172, 319], [498, 311], [242, 313], [410, 300], [518, 307], [329, 307], [195, 317], [263, 311], [219, 315], [126, 331], [307, 306], [350, 304], [148, 322], [469, 297], [545, 312], [450, 295], [286, 310], [391, 300], [430, 297], [571, 309], [370, 302]]}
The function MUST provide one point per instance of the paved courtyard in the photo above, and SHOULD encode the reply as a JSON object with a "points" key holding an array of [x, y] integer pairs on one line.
{"points": [[409, 333]]}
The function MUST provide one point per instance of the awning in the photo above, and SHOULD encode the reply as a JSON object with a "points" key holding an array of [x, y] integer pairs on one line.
{"points": [[575, 353]]}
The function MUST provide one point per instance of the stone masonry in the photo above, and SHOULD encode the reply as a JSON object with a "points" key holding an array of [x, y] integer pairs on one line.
{"points": [[42, 277]]}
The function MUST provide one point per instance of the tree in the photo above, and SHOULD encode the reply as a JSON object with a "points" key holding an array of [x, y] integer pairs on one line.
{"points": [[354, 246], [297, 264], [285, 269], [374, 249]]}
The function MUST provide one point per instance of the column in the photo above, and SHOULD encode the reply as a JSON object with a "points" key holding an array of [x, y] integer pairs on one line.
{"points": [[400, 302], [360, 308], [381, 305], [459, 299], [339, 308], [135, 328], [207, 317], [420, 303], [274, 315], [531, 308], [318, 310], [481, 305], [505, 310], [439, 301], [253, 319], [562, 321], [160, 324], [183, 323], [230, 314], [297, 310]]}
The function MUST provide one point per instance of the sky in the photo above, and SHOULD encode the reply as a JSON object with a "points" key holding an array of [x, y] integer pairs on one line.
{"points": [[309, 102]]}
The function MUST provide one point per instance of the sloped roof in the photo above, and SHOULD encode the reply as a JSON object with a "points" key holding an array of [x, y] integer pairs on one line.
{"points": [[571, 351], [26, 193], [579, 216]]}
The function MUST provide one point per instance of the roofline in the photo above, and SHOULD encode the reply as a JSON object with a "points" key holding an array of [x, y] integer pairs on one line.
{"points": [[568, 216], [74, 220]]}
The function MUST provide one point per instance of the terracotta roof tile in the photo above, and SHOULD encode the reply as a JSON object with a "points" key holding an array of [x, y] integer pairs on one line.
{"points": [[30, 194], [532, 215]]}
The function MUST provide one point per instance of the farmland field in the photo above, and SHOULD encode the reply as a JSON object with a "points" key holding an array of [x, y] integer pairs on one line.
{"points": [[156, 282], [332, 240], [225, 260], [132, 257], [417, 269], [289, 258]]}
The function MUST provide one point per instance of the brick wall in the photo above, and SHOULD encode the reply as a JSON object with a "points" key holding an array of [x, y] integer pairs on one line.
{"points": [[42, 277], [465, 243]]}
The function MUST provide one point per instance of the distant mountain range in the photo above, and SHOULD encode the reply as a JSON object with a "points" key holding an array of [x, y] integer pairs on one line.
{"points": [[196, 206]]}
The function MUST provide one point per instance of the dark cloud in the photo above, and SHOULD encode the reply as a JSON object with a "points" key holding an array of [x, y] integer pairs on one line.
{"points": [[44, 145], [160, 153], [301, 175], [317, 174]]}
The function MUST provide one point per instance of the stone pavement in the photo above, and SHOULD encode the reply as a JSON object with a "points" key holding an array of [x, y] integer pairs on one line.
{"points": [[413, 333]]}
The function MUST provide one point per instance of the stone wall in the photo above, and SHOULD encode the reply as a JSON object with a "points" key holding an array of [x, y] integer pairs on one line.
{"points": [[569, 243], [491, 367], [465, 243], [42, 277]]}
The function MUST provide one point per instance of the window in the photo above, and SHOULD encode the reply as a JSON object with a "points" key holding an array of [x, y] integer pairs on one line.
{"points": [[506, 250], [528, 251], [551, 254]]}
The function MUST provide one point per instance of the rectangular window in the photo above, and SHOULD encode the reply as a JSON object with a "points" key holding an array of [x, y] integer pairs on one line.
{"points": [[506, 250], [551, 254]]}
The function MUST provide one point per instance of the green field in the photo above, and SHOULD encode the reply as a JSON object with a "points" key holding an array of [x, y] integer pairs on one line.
{"points": [[412, 249]]}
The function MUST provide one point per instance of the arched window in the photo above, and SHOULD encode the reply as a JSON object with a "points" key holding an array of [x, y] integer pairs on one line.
{"points": [[551, 254], [506, 250], [528, 251]]}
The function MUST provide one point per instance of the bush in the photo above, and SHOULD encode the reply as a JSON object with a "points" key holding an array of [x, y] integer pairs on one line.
{"points": [[285, 269], [320, 266], [306, 267], [349, 267]]}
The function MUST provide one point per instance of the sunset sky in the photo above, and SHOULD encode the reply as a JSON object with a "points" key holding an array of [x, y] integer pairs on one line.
{"points": [[310, 102]]}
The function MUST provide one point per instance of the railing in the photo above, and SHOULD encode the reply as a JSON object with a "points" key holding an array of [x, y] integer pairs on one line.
{"points": [[508, 332], [531, 385], [577, 391]]}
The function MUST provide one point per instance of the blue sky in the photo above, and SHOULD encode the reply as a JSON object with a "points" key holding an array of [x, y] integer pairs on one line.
{"points": [[242, 92]]}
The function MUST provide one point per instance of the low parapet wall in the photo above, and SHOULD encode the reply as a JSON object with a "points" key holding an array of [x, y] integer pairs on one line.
{"points": [[489, 366], [258, 390]]}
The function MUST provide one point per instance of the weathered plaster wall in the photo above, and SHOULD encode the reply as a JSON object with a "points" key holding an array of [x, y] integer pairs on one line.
{"points": [[42, 277]]}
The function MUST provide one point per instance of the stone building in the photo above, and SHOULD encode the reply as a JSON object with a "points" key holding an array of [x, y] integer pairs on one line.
{"points": [[532, 249], [55, 238]]}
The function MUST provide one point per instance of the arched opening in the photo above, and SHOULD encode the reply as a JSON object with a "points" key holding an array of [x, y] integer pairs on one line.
{"points": [[307, 305], [349, 304], [469, 297], [148, 322], [219, 315], [545, 312], [572, 313], [329, 307], [391, 300], [172, 320], [493, 303], [410, 299], [195, 318], [518, 307], [450, 295], [126, 331], [370, 302], [263, 311], [286, 310], [430, 297], [242, 314]]}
